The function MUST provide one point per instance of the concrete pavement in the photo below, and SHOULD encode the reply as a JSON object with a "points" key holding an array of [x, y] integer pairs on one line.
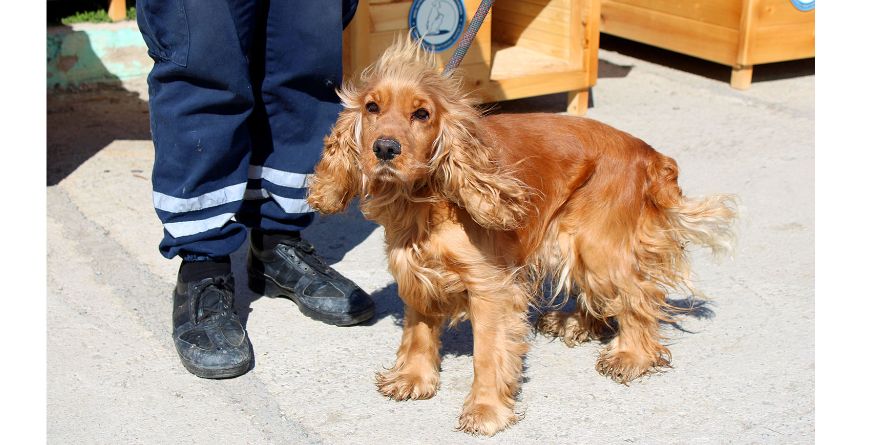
{"points": [[743, 368]]}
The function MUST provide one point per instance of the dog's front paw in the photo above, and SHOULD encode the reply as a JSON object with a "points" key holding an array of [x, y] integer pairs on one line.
{"points": [[485, 419], [624, 366], [400, 385]]}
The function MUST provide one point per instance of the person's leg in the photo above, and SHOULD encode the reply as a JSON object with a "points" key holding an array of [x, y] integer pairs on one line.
{"points": [[200, 100], [297, 68]]}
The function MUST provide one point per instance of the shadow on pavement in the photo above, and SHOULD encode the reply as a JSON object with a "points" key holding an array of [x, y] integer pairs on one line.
{"points": [[81, 124], [691, 307], [335, 235]]}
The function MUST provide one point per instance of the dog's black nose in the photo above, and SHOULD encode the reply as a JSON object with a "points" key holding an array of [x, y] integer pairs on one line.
{"points": [[386, 149]]}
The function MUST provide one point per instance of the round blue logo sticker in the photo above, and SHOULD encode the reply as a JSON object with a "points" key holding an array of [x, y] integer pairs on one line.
{"points": [[438, 23], [804, 5]]}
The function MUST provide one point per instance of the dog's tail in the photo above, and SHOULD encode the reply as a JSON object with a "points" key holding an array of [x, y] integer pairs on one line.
{"points": [[706, 221], [674, 221]]}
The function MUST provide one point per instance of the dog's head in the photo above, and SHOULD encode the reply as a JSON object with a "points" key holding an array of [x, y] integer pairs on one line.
{"points": [[407, 129]]}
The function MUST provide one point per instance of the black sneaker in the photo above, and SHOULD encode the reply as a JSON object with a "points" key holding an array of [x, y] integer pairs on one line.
{"points": [[288, 266], [208, 335]]}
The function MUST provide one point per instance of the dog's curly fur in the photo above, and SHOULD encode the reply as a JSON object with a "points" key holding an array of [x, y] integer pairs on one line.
{"points": [[478, 211]]}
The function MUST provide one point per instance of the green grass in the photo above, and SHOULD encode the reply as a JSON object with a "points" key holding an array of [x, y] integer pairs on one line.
{"points": [[97, 16]]}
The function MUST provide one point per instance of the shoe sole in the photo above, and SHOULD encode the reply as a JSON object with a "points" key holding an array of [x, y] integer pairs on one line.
{"points": [[216, 374], [266, 285]]}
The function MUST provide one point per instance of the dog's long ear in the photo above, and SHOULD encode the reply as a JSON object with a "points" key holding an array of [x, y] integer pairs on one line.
{"points": [[466, 173], [337, 176]]}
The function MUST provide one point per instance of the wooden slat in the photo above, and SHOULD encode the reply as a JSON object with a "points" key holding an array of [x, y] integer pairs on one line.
{"points": [[389, 17], [562, 4], [538, 84], [576, 39], [554, 24], [532, 13], [780, 43], [716, 12], [536, 26], [577, 102], [517, 61], [555, 45], [476, 80], [590, 23], [744, 34], [741, 77], [711, 42]]}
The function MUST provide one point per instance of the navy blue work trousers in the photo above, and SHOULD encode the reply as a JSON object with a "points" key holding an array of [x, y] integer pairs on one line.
{"points": [[241, 94]]}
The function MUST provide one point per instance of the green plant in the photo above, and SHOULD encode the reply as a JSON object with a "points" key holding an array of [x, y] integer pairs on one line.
{"points": [[97, 16]]}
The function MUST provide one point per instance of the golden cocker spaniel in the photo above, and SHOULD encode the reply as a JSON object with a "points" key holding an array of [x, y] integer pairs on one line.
{"points": [[479, 210]]}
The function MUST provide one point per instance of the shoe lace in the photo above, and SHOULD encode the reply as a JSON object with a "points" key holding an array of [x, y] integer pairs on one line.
{"points": [[214, 296], [306, 252]]}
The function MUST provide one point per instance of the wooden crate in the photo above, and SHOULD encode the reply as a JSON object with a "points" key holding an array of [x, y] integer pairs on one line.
{"points": [[737, 33], [524, 48]]}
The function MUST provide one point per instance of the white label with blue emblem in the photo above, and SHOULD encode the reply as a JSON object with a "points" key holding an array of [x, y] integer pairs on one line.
{"points": [[438, 23]]}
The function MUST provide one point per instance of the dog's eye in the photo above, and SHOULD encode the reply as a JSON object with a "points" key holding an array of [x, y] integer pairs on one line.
{"points": [[372, 107], [421, 114]]}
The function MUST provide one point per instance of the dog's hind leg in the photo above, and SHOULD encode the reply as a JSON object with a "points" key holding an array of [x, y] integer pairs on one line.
{"points": [[636, 304], [613, 287], [636, 349], [575, 327], [498, 319], [416, 373]]}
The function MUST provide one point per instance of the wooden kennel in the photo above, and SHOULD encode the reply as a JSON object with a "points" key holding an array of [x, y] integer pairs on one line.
{"points": [[737, 33], [524, 48]]}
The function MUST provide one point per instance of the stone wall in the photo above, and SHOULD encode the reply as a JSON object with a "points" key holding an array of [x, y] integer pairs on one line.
{"points": [[95, 53]]}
